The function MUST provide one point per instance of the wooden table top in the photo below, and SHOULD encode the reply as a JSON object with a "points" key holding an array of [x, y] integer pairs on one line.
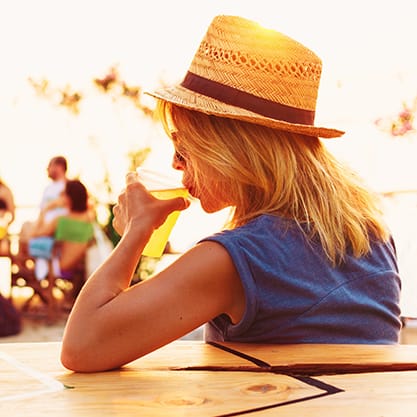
{"points": [[189, 378]]}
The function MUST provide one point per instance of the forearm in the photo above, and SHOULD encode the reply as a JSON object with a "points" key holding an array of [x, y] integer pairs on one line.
{"points": [[89, 320], [40, 227], [116, 273]]}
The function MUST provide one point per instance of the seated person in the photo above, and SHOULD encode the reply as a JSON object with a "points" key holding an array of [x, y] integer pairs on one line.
{"points": [[65, 238], [306, 256], [51, 202]]}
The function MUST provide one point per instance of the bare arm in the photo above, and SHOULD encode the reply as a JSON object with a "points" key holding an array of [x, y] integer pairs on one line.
{"points": [[43, 228], [53, 204], [200, 285], [113, 323]]}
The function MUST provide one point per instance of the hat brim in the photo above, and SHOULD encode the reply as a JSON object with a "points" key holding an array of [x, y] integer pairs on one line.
{"points": [[183, 97]]}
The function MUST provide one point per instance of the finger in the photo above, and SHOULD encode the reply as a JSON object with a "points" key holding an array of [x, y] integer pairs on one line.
{"points": [[179, 203], [132, 177], [115, 225]]}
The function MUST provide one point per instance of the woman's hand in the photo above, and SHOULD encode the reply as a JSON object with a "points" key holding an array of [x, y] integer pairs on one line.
{"points": [[136, 206]]}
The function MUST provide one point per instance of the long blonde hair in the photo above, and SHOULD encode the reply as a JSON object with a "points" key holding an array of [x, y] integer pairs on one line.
{"points": [[266, 171]]}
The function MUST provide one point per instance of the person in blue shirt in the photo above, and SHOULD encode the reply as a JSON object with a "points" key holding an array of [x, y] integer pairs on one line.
{"points": [[306, 256]]}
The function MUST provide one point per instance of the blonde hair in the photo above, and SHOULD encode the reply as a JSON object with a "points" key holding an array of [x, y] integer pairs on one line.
{"points": [[267, 171]]}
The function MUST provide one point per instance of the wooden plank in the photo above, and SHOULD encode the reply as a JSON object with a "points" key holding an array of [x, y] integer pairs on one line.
{"points": [[19, 382], [303, 358], [131, 392], [176, 355], [317, 359], [387, 394], [42, 356], [190, 354]]}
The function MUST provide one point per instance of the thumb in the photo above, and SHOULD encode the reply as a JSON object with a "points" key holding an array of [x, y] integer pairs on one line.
{"points": [[178, 203]]}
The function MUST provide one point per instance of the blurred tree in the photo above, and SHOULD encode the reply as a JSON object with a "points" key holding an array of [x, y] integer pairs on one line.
{"points": [[112, 83], [66, 97], [138, 157], [402, 123]]}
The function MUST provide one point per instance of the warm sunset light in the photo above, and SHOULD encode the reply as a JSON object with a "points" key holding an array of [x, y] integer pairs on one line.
{"points": [[369, 71], [208, 208]]}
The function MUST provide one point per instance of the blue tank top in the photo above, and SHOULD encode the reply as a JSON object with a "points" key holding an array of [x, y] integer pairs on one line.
{"points": [[294, 295]]}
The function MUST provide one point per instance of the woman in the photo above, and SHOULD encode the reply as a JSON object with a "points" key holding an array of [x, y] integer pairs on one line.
{"points": [[306, 257], [72, 231]]}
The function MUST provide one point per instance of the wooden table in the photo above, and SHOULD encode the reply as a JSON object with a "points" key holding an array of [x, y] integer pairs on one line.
{"points": [[188, 378]]}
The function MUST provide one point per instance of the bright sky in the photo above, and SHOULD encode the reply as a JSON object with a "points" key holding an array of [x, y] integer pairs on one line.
{"points": [[368, 50]]}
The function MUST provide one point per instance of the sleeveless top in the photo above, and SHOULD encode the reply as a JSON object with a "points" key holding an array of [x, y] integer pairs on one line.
{"points": [[294, 295], [68, 229], [74, 230]]}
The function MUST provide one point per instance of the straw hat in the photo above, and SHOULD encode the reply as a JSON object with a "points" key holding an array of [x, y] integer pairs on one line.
{"points": [[246, 72]]}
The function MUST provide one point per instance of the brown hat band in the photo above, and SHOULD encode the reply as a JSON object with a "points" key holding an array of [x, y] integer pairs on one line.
{"points": [[247, 101]]}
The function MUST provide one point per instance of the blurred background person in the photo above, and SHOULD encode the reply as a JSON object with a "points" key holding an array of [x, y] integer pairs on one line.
{"points": [[51, 197], [51, 204], [73, 229]]}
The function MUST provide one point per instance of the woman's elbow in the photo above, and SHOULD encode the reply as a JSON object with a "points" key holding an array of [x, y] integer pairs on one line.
{"points": [[86, 357], [80, 355], [74, 358]]}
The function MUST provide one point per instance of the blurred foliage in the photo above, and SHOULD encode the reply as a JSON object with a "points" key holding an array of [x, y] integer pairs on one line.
{"points": [[402, 123], [109, 229], [112, 83], [144, 269], [137, 158], [65, 97]]}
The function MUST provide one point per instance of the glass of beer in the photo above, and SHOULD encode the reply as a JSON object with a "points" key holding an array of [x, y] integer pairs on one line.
{"points": [[163, 187]]}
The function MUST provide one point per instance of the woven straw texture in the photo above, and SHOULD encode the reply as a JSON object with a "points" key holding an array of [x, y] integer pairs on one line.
{"points": [[240, 54]]}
